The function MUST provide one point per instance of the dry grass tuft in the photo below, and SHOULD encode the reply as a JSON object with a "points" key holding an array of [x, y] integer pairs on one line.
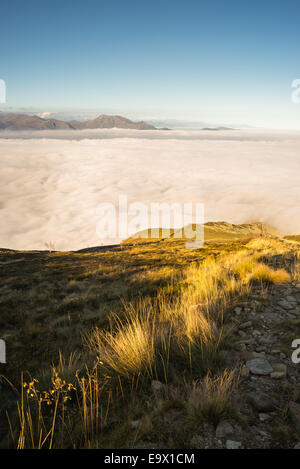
{"points": [[265, 274], [210, 398], [129, 349]]}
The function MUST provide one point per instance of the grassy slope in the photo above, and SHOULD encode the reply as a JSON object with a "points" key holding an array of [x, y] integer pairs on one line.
{"points": [[213, 231], [50, 300]]}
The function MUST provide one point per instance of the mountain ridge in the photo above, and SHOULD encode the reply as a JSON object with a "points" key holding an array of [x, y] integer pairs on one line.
{"points": [[18, 121], [212, 231]]}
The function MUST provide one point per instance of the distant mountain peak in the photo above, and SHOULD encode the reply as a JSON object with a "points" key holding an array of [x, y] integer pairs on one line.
{"points": [[15, 121]]}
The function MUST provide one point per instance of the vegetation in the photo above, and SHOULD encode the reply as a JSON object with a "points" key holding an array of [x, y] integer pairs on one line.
{"points": [[99, 341]]}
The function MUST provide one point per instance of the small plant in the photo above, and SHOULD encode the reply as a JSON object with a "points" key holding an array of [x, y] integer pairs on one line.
{"points": [[127, 351], [210, 398]]}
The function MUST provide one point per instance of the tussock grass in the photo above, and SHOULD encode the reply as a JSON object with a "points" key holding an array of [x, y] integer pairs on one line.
{"points": [[210, 398], [250, 268], [129, 349], [265, 274]]}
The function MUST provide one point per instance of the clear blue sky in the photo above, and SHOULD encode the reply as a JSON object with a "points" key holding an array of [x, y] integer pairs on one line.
{"points": [[229, 61]]}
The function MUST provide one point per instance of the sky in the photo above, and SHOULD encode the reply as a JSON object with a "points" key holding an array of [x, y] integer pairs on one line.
{"points": [[224, 62]]}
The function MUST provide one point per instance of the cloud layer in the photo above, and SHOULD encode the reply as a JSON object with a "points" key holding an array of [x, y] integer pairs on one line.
{"points": [[51, 187]]}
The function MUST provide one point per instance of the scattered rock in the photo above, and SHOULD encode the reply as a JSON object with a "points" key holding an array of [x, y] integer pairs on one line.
{"points": [[272, 318], [277, 375], [205, 442], [297, 446], [291, 299], [224, 429], [230, 444], [295, 414], [261, 401], [246, 324], [258, 354], [285, 304], [280, 371], [264, 417], [259, 366], [248, 341]]}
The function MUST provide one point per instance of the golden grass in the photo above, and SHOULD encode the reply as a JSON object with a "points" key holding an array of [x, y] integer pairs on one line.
{"points": [[210, 398], [264, 273], [182, 322], [129, 349], [193, 316]]}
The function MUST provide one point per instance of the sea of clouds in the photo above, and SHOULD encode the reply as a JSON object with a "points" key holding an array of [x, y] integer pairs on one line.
{"points": [[51, 183]]}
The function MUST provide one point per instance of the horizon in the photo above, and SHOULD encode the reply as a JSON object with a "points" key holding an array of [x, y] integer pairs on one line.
{"points": [[174, 123], [232, 67]]}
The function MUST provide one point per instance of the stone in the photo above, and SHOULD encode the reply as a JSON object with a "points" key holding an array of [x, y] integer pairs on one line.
{"points": [[261, 349], [230, 444], [259, 366], [224, 429], [285, 304], [291, 299], [245, 325], [242, 347], [238, 310], [280, 371], [297, 446], [248, 341], [272, 318], [264, 417], [294, 408], [277, 375], [261, 401]]}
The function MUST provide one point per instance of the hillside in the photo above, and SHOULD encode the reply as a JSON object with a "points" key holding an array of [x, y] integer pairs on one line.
{"points": [[152, 345], [109, 122], [213, 231], [12, 121]]}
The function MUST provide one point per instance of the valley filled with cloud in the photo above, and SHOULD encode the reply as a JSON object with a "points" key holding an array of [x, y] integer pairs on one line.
{"points": [[51, 183]]}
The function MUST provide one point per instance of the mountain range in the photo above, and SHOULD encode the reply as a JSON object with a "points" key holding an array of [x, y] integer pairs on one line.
{"points": [[15, 121]]}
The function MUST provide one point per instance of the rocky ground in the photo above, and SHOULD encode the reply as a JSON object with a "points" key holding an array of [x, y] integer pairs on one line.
{"points": [[268, 396]]}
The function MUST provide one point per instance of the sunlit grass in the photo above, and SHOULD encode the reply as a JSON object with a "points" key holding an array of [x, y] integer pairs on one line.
{"points": [[129, 349], [177, 330], [210, 398]]}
